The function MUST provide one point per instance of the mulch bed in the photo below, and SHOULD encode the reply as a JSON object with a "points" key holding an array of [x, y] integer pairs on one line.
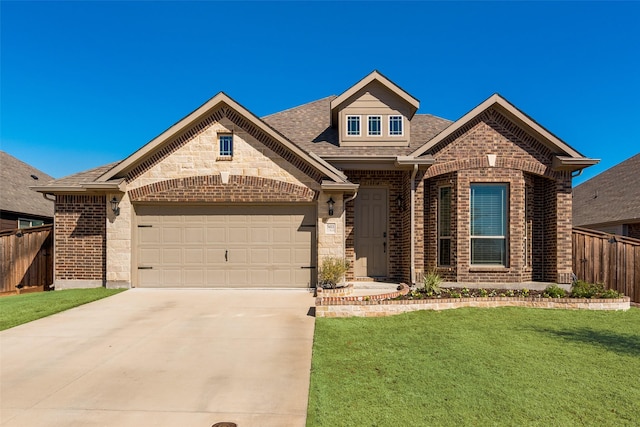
{"points": [[472, 292]]}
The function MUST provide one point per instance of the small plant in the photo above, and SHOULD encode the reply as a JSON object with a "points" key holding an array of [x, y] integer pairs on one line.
{"points": [[332, 271], [454, 294], [483, 292], [554, 291], [465, 292], [509, 293], [611, 293], [524, 292], [431, 284]]}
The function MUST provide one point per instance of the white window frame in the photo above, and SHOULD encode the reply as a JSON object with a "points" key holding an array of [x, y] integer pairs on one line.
{"points": [[226, 153], [357, 119], [505, 218], [391, 119], [442, 237], [374, 116]]}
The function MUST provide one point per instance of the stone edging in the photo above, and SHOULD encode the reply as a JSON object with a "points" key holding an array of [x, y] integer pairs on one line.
{"points": [[377, 306]]}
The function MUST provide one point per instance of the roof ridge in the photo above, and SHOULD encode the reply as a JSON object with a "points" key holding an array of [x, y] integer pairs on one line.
{"points": [[298, 106]]}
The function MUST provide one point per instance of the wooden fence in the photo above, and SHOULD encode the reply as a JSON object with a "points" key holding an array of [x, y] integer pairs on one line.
{"points": [[606, 258], [26, 258]]}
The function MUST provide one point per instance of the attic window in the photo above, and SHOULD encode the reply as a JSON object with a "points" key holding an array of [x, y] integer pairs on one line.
{"points": [[395, 125], [374, 126], [226, 145], [353, 125]]}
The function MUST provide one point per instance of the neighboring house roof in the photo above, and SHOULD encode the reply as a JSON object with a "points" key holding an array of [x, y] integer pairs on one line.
{"points": [[15, 195], [612, 197]]}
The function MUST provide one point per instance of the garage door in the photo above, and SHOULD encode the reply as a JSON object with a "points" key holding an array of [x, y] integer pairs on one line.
{"points": [[255, 246]]}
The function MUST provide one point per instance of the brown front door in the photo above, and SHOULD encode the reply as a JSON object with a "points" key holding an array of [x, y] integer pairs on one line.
{"points": [[370, 228]]}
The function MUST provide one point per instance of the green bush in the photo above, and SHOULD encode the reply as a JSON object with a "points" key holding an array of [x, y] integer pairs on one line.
{"points": [[554, 291], [332, 271], [582, 289], [611, 293], [431, 284]]}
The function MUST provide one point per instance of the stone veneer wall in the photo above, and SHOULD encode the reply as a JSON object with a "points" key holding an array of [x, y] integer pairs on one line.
{"points": [[189, 169], [80, 240]]}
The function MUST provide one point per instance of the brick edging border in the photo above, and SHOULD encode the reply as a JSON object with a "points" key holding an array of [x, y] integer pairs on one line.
{"points": [[380, 306]]}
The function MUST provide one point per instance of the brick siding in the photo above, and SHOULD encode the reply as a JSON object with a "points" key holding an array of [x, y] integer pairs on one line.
{"points": [[398, 237], [80, 237], [211, 189]]}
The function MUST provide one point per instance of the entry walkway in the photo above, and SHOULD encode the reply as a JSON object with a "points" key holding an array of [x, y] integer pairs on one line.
{"points": [[151, 357]]}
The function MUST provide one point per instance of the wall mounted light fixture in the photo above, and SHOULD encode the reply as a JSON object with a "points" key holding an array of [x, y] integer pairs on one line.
{"points": [[399, 201], [330, 203], [114, 205]]}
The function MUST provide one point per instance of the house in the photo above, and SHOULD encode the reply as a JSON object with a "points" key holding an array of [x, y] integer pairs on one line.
{"points": [[21, 207], [610, 201], [224, 198]]}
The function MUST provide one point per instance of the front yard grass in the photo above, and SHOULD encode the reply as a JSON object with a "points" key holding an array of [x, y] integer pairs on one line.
{"points": [[18, 309], [499, 367]]}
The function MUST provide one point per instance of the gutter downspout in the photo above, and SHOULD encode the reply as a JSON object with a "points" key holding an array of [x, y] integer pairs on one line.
{"points": [[413, 226]]}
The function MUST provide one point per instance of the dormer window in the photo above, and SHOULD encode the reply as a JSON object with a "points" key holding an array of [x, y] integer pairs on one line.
{"points": [[395, 126], [374, 126], [353, 125]]}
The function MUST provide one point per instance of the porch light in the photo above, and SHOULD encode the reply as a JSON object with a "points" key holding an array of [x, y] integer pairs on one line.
{"points": [[399, 201], [330, 203], [114, 206]]}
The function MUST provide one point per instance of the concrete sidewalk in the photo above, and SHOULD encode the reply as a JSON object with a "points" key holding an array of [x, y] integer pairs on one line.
{"points": [[162, 358]]}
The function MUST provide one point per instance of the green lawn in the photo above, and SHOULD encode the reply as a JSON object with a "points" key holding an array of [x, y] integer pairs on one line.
{"points": [[18, 309], [477, 367]]}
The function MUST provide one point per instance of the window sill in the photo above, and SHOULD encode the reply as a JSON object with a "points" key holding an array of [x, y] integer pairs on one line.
{"points": [[488, 268], [224, 158]]}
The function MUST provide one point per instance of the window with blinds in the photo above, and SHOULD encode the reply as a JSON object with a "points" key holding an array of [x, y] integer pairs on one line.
{"points": [[489, 224], [444, 226]]}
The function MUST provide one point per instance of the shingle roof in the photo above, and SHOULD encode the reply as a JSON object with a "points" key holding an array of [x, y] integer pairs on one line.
{"points": [[81, 177], [612, 196], [15, 179], [309, 126]]}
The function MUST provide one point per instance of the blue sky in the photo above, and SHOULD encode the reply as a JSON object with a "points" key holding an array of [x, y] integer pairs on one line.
{"points": [[88, 83]]}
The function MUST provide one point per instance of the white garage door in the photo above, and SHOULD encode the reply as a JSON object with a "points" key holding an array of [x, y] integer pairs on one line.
{"points": [[251, 246]]}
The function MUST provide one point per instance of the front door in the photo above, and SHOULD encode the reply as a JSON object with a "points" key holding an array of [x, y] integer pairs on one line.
{"points": [[370, 228]]}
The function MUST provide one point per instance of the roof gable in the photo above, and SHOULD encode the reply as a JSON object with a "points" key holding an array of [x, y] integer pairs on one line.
{"points": [[374, 76], [221, 104], [566, 157]]}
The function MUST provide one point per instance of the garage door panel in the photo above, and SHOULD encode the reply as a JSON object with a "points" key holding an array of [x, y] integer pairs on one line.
{"points": [[215, 234], [259, 256], [171, 235], [171, 256], [255, 246], [193, 256]]}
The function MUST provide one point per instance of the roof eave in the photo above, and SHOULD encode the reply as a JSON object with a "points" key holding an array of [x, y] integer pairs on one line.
{"points": [[566, 163], [558, 146], [213, 103]]}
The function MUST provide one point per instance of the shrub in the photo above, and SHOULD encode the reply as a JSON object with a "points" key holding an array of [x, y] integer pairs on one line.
{"points": [[611, 293], [554, 291], [524, 292], [483, 292], [431, 284], [332, 271], [582, 289]]}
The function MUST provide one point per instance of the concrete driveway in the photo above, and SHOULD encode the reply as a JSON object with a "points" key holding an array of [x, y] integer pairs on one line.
{"points": [[162, 358]]}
